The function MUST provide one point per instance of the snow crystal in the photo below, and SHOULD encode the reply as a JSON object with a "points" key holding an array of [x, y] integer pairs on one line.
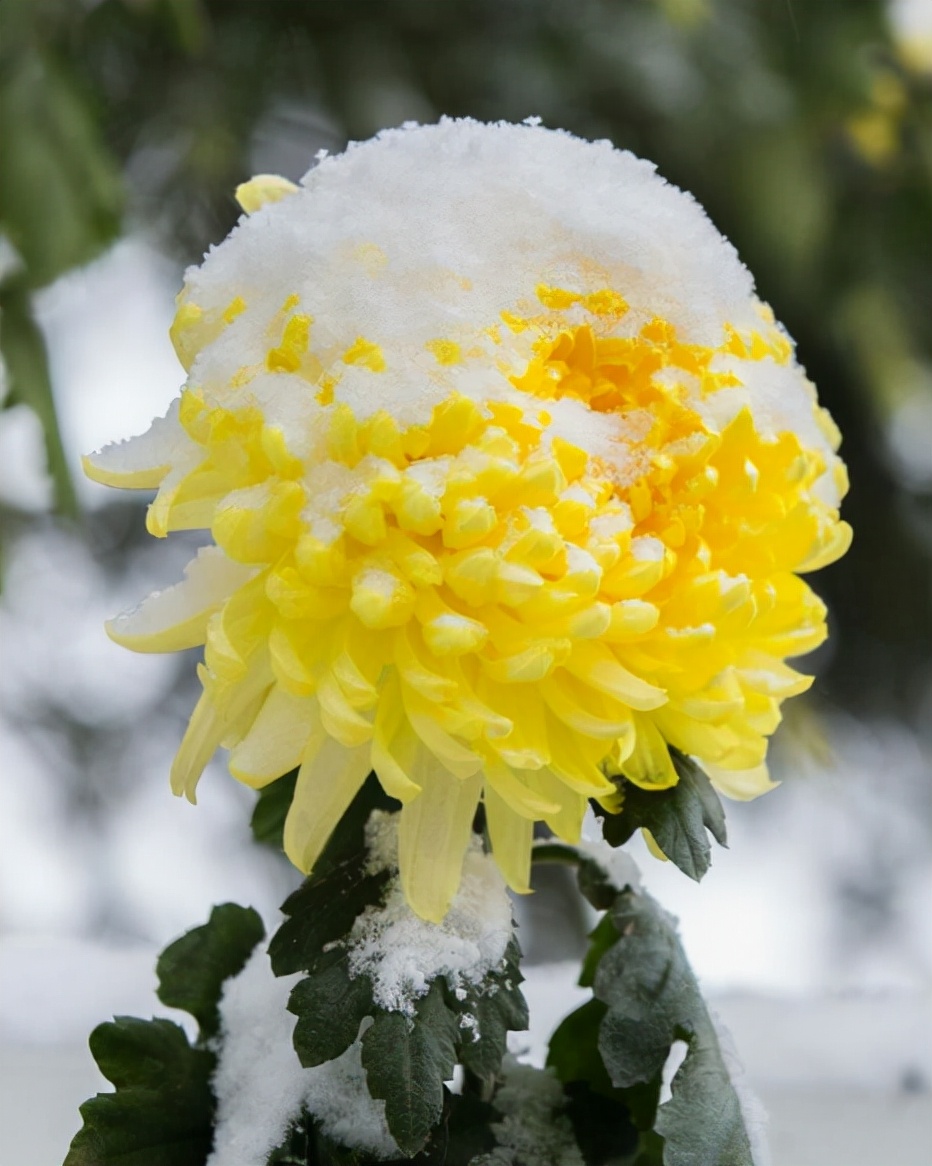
{"points": [[402, 953], [620, 868], [262, 1088], [532, 1127]]}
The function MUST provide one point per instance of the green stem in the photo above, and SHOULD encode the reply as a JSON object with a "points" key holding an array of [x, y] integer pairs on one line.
{"points": [[555, 853]]}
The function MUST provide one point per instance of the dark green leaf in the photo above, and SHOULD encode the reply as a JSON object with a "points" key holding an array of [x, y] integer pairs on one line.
{"points": [[497, 1005], [407, 1061], [192, 970], [653, 999], [162, 1111], [323, 909], [602, 1125], [330, 1005], [469, 1129], [574, 1054], [271, 809], [678, 817]]}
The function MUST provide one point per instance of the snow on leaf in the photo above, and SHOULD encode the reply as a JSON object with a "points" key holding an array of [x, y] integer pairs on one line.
{"points": [[407, 1061]]}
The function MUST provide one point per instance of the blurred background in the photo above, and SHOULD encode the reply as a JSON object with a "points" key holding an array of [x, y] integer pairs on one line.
{"points": [[805, 129]]}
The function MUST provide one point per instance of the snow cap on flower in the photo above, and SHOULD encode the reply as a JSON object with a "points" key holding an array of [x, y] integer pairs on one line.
{"points": [[510, 478]]}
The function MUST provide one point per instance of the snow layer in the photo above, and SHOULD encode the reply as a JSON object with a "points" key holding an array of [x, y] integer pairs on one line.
{"points": [[533, 1131], [403, 953], [261, 1087], [620, 868], [429, 234]]}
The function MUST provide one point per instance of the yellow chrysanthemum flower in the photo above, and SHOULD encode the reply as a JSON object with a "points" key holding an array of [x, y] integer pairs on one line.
{"points": [[510, 478]]}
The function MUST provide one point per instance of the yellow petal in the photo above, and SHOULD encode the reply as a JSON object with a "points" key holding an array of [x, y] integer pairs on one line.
{"points": [[743, 785], [598, 667], [328, 780], [276, 740], [262, 190], [433, 832], [649, 764], [209, 725], [511, 836], [394, 744]]}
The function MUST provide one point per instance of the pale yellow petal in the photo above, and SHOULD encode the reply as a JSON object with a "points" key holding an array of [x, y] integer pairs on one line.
{"points": [[743, 785], [394, 744], [433, 834], [277, 739], [212, 722], [262, 190], [511, 837], [329, 778]]}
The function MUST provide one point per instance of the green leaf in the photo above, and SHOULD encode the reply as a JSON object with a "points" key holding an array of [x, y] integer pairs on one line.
{"points": [[653, 999], [574, 1052], [323, 909], [407, 1061], [601, 938], [271, 809], [469, 1129], [602, 1126], [497, 1006], [678, 817], [648, 987], [162, 1111], [61, 190], [330, 1005], [192, 970], [702, 1124], [600, 1112], [24, 354]]}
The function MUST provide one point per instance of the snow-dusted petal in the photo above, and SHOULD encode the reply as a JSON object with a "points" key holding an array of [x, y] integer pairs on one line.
{"points": [[140, 463], [176, 618]]}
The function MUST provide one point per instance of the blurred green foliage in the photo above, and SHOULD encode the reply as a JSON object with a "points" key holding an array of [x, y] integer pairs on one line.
{"points": [[798, 125]]}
